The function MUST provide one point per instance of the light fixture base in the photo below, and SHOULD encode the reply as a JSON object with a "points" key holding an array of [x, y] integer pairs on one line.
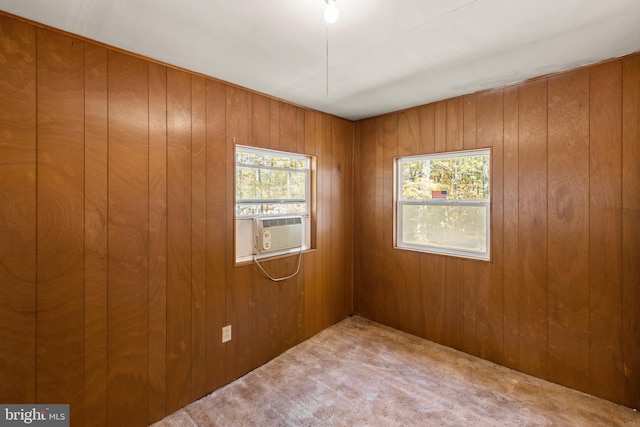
{"points": [[331, 13]]}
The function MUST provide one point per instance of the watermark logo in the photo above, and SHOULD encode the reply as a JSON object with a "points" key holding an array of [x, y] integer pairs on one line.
{"points": [[34, 415]]}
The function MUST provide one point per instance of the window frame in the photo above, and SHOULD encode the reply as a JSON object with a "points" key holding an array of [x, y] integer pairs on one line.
{"points": [[264, 151], [400, 202], [244, 223]]}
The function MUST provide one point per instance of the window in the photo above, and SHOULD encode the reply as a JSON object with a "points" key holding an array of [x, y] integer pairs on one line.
{"points": [[443, 203], [269, 183]]}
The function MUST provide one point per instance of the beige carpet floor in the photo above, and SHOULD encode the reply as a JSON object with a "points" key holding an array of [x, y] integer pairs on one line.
{"points": [[360, 373]]}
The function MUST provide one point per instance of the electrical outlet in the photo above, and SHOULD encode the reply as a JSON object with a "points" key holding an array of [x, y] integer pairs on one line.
{"points": [[226, 333]]}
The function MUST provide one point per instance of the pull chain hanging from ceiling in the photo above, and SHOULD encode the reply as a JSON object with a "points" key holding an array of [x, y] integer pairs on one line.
{"points": [[327, 61], [331, 15]]}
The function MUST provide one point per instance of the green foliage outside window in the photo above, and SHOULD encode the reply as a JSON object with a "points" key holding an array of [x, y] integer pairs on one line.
{"points": [[444, 202], [464, 178], [269, 183]]}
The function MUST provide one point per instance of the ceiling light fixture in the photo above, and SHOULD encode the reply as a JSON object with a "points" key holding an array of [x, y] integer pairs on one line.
{"points": [[331, 13]]}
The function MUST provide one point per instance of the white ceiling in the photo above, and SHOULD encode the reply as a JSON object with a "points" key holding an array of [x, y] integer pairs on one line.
{"points": [[383, 55]]}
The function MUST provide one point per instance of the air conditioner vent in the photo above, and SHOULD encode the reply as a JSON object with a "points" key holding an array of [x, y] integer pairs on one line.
{"points": [[274, 234]]}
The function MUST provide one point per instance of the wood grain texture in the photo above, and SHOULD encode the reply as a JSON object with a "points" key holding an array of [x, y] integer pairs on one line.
{"points": [[490, 291], [365, 197], [128, 241], [440, 126], [558, 298], [133, 216], [261, 124], [179, 239], [454, 267], [313, 322], [238, 291], [275, 329], [470, 306], [631, 229], [510, 229], [288, 128], [568, 228], [342, 305], [605, 229], [17, 211], [323, 222], [199, 237], [95, 235], [157, 242], [393, 282], [133, 165], [413, 297], [60, 221], [217, 219], [532, 228], [427, 119]]}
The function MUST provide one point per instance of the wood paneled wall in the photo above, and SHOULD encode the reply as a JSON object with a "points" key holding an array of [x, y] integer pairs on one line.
{"points": [[117, 260], [560, 298]]}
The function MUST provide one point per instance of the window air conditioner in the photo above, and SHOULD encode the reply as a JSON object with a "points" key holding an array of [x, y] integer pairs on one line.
{"points": [[272, 234]]}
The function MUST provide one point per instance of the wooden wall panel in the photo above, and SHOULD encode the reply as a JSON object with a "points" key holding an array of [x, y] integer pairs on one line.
{"points": [[153, 289], [323, 216], [312, 120], [393, 282], [217, 251], [342, 304], [239, 298], [440, 123], [532, 231], [427, 119], [605, 275], [568, 229], [471, 307], [290, 322], [558, 298], [122, 190], [365, 197], [453, 133], [199, 237], [631, 229], [179, 239], [490, 283], [157, 242], [264, 329], [17, 211], [261, 123], [95, 235], [288, 128], [330, 139], [511, 354], [412, 298], [128, 240], [60, 221], [433, 267]]}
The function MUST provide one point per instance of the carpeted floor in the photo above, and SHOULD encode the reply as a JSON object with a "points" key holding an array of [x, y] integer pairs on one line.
{"points": [[360, 373]]}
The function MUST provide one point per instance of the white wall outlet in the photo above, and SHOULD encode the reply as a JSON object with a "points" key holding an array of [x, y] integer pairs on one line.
{"points": [[226, 333]]}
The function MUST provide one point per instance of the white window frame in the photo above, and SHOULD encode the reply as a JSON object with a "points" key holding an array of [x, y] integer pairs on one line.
{"points": [[244, 223], [401, 202]]}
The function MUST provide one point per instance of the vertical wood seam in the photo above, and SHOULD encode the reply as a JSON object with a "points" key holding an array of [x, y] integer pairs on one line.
{"points": [[37, 312], [166, 240], [546, 113], [622, 222], [84, 222]]}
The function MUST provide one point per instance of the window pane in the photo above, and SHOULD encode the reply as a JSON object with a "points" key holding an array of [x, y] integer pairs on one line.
{"points": [[263, 184], [451, 227], [453, 178], [270, 160]]}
